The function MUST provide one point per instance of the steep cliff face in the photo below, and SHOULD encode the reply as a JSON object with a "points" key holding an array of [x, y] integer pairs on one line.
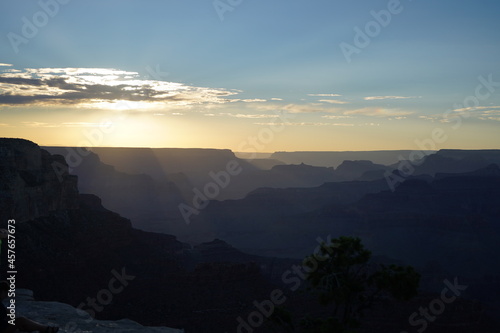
{"points": [[33, 183]]}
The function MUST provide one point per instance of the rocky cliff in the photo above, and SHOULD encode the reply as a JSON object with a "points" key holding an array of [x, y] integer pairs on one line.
{"points": [[33, 183]]}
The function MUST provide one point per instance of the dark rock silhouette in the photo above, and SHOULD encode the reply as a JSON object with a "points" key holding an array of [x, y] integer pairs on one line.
{"points": [[443, 219], [457, 161], [29, 186]]}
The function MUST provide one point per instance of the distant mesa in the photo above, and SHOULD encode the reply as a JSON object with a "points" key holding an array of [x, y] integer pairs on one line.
{"points": [[335, 158], [354, 170]]}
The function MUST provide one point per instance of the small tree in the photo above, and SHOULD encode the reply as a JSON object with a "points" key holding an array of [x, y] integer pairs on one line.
{"points": [[344, 280]]}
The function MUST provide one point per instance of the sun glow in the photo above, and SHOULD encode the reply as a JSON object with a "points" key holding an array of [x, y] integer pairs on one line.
{"points": [[135, 130], [123, 105]]}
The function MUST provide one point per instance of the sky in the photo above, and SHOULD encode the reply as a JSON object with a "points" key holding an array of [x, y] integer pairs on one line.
{"points": [[260, 75]]}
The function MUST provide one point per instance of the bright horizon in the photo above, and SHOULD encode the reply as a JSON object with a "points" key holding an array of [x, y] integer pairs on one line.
{"points": [[266, 77]]}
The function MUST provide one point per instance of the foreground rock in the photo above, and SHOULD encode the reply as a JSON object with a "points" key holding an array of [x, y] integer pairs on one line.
{"points": [[69, 320]]}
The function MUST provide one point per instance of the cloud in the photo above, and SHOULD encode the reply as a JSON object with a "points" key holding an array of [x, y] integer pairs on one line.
{"points": [[491, 112], [378, 112], [289, 108], [5, 65], [254, 100], [485, 113], [276, 99], [335, 117], [332, 101], [249, 116], [65, 124], [342, 124], [430, 117], [38, 124], [308, 124], [324, 95], [100, 88], [309, 108], [374, 98], [479, 108]]}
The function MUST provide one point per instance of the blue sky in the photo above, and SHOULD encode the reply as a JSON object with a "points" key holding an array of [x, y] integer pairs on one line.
{"points": [[429, 56]]}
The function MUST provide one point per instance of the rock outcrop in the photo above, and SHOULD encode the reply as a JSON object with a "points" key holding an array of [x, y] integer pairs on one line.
{"points": [[33, 183], [70, 320]]}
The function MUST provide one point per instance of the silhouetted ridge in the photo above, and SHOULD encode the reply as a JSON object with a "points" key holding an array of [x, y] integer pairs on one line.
{"points": [[33, 182]]}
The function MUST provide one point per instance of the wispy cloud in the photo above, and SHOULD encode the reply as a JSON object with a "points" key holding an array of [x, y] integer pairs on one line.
{"points": [[254, 100], [484, 113], [374, 98], [38, 124], [249, 116], [429, 117], [64, 124], [491, 112], [309, 124], [100, 88], [309, 108], [5, 65], [276, 99], [324, 95], [494, 108], [342, 124], [378, 112], [335, 117], [83, 124], [333, 101]]}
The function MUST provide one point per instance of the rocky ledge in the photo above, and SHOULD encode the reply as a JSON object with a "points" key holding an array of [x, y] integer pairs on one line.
{"points": [[70, 321]]}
